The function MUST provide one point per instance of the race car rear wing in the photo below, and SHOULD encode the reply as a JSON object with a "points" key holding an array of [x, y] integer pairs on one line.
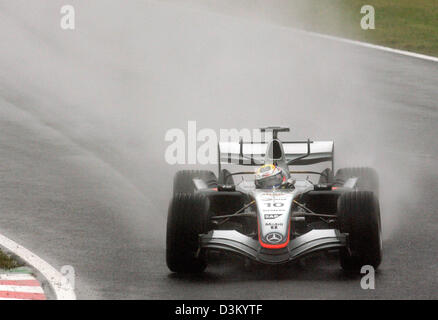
{"points": [[253, 154]]}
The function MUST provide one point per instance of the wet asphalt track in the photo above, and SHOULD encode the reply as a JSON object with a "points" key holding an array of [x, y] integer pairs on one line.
{"points": [[90, 189]]}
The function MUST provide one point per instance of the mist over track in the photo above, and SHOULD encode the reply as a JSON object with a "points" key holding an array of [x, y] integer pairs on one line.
{"points": [[83, 116]]}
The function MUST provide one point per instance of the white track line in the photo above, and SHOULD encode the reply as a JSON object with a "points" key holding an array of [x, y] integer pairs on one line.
{"points": [[57, 281], [368, 45]]}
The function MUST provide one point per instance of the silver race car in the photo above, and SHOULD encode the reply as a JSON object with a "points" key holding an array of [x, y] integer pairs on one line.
{"points": [[274, 217]]}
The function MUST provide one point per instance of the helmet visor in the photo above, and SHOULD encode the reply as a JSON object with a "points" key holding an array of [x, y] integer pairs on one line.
{"points": [[270, 181]]}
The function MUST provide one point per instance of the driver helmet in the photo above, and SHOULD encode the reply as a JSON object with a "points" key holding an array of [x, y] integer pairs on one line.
{"points": [[269, 176]]}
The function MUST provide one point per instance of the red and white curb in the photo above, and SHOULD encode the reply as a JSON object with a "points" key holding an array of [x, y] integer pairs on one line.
{"points": [[20, 286], [58, 283]]}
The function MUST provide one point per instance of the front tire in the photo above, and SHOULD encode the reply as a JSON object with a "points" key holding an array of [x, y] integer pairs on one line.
{"points": [[359, 216], [183, 181], [188, 217]]}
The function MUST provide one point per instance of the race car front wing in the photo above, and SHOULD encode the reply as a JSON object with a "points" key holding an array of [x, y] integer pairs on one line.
{"points": [[236, 242]]}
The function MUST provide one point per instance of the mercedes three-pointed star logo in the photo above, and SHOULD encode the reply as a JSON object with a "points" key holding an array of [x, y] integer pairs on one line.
{"points": [[274, 237]]}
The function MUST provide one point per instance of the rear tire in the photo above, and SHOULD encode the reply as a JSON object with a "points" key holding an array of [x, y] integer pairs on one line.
{"points": [[359, 216], [188, 217], [368, 179], [183, 181]]}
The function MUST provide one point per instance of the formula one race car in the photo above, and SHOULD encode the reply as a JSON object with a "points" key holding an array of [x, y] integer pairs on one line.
{"points": [[275, 217]]}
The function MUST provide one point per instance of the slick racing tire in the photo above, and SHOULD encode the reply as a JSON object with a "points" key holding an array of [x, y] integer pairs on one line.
{"points": [[188, 217], [183, 181], [368, 179], [359, 216]]}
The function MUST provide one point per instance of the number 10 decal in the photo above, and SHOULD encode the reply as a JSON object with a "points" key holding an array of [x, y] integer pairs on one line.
{"points": [[275, 204]]}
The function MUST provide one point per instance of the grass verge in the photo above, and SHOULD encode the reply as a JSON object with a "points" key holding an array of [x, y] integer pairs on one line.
{"points": [[401, 24], [7, 262]]}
